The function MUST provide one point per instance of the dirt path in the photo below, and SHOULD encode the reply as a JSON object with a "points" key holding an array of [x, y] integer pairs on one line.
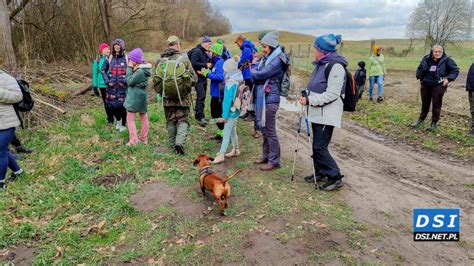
{"points": [[385, 180]]}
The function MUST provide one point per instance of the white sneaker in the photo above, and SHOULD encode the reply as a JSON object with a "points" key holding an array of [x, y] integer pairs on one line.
{"points": [[219, 158], [118, 123], [122, 128], [233, 153]]}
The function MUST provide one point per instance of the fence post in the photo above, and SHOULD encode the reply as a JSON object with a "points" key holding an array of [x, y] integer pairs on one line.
{"points": [[299, 55], [372, 45], [342, 48], [308, 64]]}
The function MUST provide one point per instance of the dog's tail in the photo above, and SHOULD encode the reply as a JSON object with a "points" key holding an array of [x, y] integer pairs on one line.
{"points": [[232, 176]]}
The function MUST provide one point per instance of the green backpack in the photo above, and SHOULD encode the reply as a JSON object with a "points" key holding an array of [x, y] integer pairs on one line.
{"points": [[172, 79]]}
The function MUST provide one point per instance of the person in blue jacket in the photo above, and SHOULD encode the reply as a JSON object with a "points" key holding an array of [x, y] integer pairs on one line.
{"points": [[267, 76], [216, 75]]}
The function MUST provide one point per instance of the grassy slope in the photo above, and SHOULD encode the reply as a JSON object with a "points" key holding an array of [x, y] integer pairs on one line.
{"points": [[59, 198]]}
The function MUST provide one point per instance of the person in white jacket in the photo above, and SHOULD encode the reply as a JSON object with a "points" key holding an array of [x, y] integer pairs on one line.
{"points": [[325, 106], [10, 94]]}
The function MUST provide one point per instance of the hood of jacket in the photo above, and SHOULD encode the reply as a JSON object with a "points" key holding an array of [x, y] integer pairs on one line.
{"points": [[332, 57], [169, 52], [122, 46], [146, 69], [247, 44], [235, 75]]}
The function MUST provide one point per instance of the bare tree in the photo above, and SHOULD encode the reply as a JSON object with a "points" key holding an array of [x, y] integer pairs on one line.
{"points": [[105, 14], [439, 21]]}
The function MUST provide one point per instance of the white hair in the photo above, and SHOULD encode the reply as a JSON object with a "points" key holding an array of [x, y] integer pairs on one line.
{"points": [[437, 46]]}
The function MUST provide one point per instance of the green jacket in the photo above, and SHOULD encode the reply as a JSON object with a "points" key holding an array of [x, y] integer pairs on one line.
{"points": [[97, 79], [137, 95], [376, 66]]}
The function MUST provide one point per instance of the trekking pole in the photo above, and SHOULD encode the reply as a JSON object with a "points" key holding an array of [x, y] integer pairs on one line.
{"points": [[298, 130], [308, 133]]}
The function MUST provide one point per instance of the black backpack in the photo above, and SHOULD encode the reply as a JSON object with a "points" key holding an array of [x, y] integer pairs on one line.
{"points": [[27, 102], [350, 99]]}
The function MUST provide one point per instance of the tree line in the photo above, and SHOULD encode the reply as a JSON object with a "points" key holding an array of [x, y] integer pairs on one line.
{"points": [[55, 30]]}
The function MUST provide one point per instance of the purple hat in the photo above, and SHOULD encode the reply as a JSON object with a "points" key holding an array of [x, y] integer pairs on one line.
{"points": [[136, 55], [206, 39]]}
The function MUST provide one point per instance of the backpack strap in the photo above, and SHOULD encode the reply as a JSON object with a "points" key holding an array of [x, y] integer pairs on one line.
{"points": [[328, 69]]}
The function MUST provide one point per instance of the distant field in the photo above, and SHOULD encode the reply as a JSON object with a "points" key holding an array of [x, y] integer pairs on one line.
{"points": [[300, 44]]}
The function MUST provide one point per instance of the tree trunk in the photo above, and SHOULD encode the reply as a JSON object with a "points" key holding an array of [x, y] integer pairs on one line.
{"points": [[104, 7], [6, 45]]}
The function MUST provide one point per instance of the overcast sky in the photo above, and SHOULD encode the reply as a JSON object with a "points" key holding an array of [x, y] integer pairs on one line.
{"points": [[355, 20]]}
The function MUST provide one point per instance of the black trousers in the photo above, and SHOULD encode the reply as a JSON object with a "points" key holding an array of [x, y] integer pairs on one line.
{"points": [[323, 161], [108, 110], [201, 88], [15, 141], [216, 110], [432, 94]]}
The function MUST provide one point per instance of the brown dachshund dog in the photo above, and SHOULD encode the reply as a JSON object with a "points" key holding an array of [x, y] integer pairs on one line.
{"points": [[209, 180]]}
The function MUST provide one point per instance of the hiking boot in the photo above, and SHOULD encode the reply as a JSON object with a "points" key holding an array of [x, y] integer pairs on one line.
{"points": [[310, 178], [371, 99], [182, 133], [15, 175], [432, 127], [331, 185], [244, 115], [122, 129], [202, 122], [17, 156], [219, 134], [179, 149], [380, 99], [234, 153], [2, 184], [417, 123], [261, 161], [269, 167], [23, 149], [257, 134], [219, 158]]}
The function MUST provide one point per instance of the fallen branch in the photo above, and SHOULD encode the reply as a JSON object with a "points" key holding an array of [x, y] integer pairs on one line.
{"points": [[83, 90], [51, 105]]}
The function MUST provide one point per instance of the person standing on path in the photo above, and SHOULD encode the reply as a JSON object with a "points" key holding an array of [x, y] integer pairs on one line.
{"points": [[377, 72]]}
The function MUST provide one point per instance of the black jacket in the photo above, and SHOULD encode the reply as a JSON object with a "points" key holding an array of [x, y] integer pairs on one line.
{"points": [[199, 58], [360, 76], [446, 69], [470, 79]]}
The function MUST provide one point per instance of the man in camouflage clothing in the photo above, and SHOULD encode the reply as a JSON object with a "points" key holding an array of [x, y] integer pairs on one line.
{"points": [[176, 111]]}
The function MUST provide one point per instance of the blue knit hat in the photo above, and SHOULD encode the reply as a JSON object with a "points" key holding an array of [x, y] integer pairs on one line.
{"points": [[327, 43], [206, 39]]}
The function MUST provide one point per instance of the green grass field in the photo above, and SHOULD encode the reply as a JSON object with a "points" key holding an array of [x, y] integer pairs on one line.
{"points": [[355, 51], [75, 197]]}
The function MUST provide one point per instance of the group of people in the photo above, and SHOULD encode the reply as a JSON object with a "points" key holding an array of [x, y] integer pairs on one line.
{"points": [[121, 80]]}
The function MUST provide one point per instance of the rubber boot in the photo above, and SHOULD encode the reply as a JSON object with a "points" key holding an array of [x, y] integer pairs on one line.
{"points": [[172, 130], [181, 135]]}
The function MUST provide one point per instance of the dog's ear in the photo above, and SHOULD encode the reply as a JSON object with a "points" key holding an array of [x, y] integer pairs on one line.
{"points": [[210, 159], [196, 162]]}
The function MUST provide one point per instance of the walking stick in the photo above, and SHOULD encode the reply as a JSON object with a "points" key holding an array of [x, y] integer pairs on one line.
{"points": [[298, 130], [308, 133]]}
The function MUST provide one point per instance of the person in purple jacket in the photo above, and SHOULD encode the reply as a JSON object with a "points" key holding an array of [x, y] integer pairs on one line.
{"points": [[267, 77]]}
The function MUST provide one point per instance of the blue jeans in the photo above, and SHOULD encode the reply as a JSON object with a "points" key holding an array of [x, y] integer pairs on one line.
{"points": [[230, 134], [6, 158], [372, 80]]}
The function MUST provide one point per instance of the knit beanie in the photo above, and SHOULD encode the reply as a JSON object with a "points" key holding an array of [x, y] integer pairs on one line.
{"points": [[136, 55], [376, 48], [271, 39], [230, 65], [102, 46], [219, 40], [206, 39], [217, 48], [262, 34], [327, 43]]}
